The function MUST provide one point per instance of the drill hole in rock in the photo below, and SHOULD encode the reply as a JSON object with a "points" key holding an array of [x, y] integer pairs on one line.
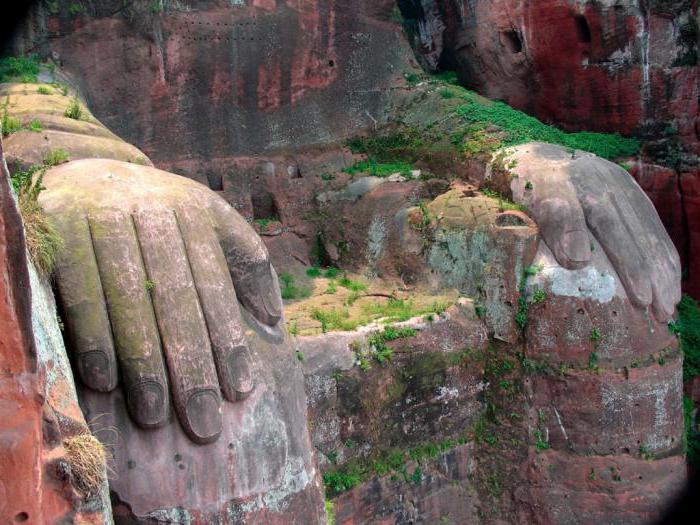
{"points": [[21, 517], [215, 181], [512, 41], [583, 30]]}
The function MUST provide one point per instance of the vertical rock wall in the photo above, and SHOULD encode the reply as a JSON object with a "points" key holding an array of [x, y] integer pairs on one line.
{"points": [[38, 403]]}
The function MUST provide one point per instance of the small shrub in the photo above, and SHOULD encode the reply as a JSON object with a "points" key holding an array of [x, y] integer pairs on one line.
{"points": [[299, 355], [43, 240], [74, 110], [331, 273], [595, 336], [539, 296], [36, 126], [264, 224], [10, 124], [290, 290], [313, 272], [294, 329], [540, 441], [332, 288], [23, 69], [446, 93], [87, 458], [56, 157], [381, 169], [150, 285], [353, 286], [76, 9], [43, 90]]}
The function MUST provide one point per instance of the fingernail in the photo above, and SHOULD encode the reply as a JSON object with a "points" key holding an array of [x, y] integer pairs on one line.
{"points": [[203, 412], [271, 298], [95, 371], [576, 246], [239, 372], [147, 402]]}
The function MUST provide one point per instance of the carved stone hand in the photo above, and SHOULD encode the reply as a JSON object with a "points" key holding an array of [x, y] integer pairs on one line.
{"points": [[150, 280], [574, 194]]}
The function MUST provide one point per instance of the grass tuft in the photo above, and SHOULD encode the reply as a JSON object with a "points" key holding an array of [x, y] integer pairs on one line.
{"points": [[56, 157], [87, 458], [43, 240]]}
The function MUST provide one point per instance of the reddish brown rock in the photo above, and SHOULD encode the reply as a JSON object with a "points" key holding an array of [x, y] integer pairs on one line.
{"points": [[597, 489]]}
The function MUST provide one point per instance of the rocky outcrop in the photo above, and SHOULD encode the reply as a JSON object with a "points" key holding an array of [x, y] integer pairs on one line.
{"points": [[627, 67]]}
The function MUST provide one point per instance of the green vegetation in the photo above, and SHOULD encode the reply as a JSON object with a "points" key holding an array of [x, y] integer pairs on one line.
{"points": [[520, 127], [593, 362], [36, 126], [353, 286], [43, 240], [503, 203], [9, 124], [383, 462], [692, 434], [43, 90], [521, 316], [265, 223], [381, 169], [392, 311], [688, 325], [76, 9], [540, 441], [56, 157], [299, 355], [377, 341], [595, 336], [74, 110], [539, 296], [330, 512], [19, 69], [150, 285], [290, 290], [314, 271], [645, 453], [689, 321]]}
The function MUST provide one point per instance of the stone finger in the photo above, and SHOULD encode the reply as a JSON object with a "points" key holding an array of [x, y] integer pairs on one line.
{"points": [[219, 304], [181, 322], [248, 262], [136, 338], [607, 222], [563, 227], [82, 299]]}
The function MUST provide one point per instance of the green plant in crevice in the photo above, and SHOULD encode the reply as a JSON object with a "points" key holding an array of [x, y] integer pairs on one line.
{"points": [[42, 239], [36, 126], [540, 442], [74, 110], [521, 316], [56, 157], [150, 285], [299, 355]]}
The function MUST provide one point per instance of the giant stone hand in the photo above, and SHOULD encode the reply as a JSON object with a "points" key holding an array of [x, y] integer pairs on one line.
{"points": [[150, 280], [571, 193]]}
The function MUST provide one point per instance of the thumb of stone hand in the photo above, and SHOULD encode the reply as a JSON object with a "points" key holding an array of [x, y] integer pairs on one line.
{"points": [[152, 271]]}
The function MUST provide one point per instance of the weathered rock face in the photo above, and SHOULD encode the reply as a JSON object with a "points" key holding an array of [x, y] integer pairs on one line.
{"points": [[590, 332], [265, 75], [38, 402], [628, 67]]}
